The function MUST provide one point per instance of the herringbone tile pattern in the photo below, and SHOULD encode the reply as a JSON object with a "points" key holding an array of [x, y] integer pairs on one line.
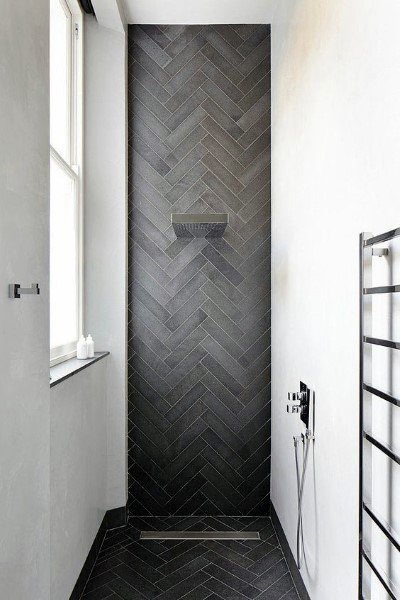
{"points": [[199, 309], [130, 569]]}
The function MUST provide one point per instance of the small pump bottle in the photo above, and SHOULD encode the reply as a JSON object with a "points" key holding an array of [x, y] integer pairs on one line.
{"points": [[90, 346], [81, 348]]}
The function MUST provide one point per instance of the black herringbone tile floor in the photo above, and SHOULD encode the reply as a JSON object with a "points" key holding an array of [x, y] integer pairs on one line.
{"points": [[130, 569]]}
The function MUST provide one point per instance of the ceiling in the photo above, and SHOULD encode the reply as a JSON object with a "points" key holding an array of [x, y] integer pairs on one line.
{"points": [[110, 12], [115, 14], [198, 11]]}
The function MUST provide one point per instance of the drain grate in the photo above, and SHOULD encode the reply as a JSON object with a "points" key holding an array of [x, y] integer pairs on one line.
{"points": [[199, 535]]}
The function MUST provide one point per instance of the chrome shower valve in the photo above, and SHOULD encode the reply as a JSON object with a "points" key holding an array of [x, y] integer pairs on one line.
{"points": [[294, 408], [297, 396], [298, 399], [299, 403]]}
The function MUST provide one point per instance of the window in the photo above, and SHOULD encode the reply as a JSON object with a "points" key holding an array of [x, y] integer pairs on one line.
{"points": [[65, 178]]}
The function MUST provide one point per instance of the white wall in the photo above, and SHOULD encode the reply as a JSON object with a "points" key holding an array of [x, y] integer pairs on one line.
{"points": [[105, 231], [81, 449], [24, 323], [88, 411], [78, 487], [335, 173]]}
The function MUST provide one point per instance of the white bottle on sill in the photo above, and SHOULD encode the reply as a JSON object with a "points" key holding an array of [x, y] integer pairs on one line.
{"points": [[81, 348], [90, 346]]}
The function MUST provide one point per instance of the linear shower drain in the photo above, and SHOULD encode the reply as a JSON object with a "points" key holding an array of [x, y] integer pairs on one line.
{"points": [[199, 535]]}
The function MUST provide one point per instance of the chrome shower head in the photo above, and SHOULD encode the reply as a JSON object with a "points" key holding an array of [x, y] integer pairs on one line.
{"points": [[199, 225]]}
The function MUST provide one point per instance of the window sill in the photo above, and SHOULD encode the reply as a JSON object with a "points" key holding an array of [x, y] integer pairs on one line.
{"points": [[69, 367]]}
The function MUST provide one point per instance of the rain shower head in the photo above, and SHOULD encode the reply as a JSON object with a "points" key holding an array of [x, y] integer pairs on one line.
{"points": [[199, 225]]}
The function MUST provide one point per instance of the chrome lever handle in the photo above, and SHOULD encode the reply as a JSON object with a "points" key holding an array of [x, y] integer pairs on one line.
{"points": [[15, 290], [296, 396]]}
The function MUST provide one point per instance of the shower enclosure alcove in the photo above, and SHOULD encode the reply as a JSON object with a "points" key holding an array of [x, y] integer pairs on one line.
{"points": [[199, 306]]}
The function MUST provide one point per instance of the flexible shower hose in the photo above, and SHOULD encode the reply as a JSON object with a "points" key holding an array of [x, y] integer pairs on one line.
{"points": [[300, 489]]}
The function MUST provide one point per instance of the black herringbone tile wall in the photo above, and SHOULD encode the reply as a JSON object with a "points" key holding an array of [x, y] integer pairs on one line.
{"points": [[199, 309]]}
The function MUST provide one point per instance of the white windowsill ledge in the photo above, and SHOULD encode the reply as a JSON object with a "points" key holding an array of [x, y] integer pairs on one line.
{"points": [[68, 368]]}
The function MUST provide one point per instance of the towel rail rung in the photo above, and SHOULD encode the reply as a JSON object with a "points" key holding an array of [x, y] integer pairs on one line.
{"points": [[383, 289], [391, 535], [380, 342], [381, 575], [381, 394], [382, 446], [382, 237]]}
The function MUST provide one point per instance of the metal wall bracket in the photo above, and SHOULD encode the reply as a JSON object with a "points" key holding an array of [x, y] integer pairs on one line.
{"points": [[15, 290], [380, 251]]}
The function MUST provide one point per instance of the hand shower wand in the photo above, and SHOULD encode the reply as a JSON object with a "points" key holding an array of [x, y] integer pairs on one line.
{"points": [[307, 416]]}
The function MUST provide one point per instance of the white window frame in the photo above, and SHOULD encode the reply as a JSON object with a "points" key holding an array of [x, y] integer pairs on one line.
{"points": [[73, 166]]}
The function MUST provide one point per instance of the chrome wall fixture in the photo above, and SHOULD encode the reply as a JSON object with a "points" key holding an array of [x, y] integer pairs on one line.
{"points": [[303, 404], [368, 250], [199, 225], [15, 290]]}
